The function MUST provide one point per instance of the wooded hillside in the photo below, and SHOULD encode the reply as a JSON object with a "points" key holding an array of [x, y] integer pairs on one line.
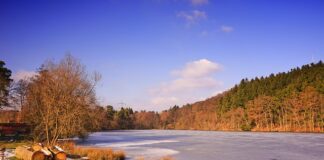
{"points": [[288, 101]]}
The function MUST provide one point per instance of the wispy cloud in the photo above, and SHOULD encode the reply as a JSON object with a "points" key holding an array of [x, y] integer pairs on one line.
{"points": [[185, 84], [165, 101], [23, 75], [226, 29], [192, 17], [199, 2], [195, 77]]}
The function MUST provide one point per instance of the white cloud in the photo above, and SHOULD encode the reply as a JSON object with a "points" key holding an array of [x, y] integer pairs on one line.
{"points": [[198, 2], [227, 29], [199, 68], [23, 75], [192, 17], [193, 81]]}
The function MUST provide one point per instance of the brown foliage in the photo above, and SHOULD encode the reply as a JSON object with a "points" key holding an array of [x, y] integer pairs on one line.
{"points": [[58, 101], [146, 120], [299, 112]]}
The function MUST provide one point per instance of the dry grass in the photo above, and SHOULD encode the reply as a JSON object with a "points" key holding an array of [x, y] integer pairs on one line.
{"points": [[12, 145], [139, 158], [99, 153], [67, 145], [92, 152], [167, 158]]}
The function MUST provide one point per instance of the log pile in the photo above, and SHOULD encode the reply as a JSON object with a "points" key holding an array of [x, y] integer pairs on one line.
{"points": [[38, 152]]}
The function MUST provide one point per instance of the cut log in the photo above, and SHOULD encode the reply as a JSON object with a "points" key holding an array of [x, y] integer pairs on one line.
{"points": [[46, 152], [26, 153], [58, 153], [37, 147]]}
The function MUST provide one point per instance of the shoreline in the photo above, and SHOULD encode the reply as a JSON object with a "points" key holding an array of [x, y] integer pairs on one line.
{"points": [[213, 131]]}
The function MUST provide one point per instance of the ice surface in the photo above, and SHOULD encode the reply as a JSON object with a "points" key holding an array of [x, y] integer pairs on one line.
{"points": [[138, 143], [193, 145]]}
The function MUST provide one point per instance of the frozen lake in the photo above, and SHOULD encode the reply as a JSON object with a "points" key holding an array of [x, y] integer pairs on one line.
{"points": [[211, 145]]}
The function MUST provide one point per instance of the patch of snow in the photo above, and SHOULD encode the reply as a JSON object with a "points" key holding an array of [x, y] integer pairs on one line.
{"points": [[9, 153]]}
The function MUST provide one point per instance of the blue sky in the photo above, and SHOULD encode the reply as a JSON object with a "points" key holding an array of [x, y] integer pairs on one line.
{"points": [[156, 53]]}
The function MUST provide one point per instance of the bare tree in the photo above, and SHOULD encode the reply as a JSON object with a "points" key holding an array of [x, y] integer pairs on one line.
{"points": [[59, 99], [18, 93]]}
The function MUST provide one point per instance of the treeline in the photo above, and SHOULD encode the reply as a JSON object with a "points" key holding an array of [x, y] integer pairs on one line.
{"points": [[291, 101], [288, 101], [108, 118]]}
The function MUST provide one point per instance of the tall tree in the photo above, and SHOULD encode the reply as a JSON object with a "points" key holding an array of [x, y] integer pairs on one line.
{"points": [[18, 93], [5, 81], [125, 118], [59, 100]]}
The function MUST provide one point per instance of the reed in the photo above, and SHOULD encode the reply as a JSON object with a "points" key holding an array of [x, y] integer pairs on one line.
{"points": [[99, 153]]}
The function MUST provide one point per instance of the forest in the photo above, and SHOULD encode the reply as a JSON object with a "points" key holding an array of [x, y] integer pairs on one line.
{"points": [[60, 102], [289, 101]]}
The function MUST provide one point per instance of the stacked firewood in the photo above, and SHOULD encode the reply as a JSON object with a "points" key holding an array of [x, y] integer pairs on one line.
{"points": [[39, 152]]}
